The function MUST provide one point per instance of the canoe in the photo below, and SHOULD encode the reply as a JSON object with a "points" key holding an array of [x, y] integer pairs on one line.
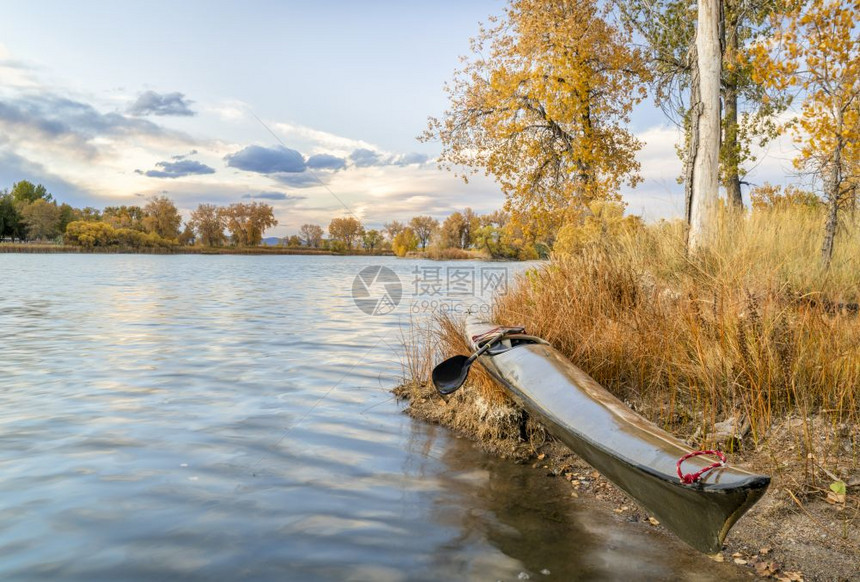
{"points": [[635, 454]]}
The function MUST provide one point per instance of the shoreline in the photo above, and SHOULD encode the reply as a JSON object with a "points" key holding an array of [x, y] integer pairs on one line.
{"points": [[791, 534], [35, 248]]}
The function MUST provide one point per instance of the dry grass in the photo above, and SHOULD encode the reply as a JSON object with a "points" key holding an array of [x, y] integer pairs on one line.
{"points": [[751, 328]]}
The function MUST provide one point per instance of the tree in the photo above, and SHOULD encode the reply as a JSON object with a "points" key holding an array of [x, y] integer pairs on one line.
{"points": [[706, 125], [404, 242], [346, 230], [458, 230], [186, 238], [26, 192], [393, 228], [312, 235], [130, 217], [769, 197], [542, 106], [749, 108], [248, 222], [11, 224], [161, 217], [208, 223], [42, 219], [371, 240], [293, 241], [821, 44], [423, 227]]}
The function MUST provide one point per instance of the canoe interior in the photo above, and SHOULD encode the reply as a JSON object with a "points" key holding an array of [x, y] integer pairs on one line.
{"points": [[633, 453]]}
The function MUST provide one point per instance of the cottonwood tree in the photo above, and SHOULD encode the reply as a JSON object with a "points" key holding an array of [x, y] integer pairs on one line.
{"points": [[247, 222], [542, 104], [130, 217], [312, 235], [424, 227], [11, 224], [820, 57], [705, 122], [371, 240], [458, 230], [161, 217], [750, 108], [404, 242], [346, 230], [393, 228], [42, 219], [208, 223]]}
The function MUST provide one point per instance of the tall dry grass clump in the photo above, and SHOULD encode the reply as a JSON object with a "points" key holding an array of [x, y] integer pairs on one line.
{"points": [[751, 328]]}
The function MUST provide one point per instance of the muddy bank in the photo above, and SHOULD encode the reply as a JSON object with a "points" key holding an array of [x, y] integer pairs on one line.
{"points": [[800, 530]]}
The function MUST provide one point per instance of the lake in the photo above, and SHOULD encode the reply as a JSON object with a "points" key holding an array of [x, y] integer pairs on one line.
{"points": [[229, 418]]}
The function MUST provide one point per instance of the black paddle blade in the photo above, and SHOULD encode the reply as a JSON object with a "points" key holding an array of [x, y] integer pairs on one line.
{"points": [[450, 374]]}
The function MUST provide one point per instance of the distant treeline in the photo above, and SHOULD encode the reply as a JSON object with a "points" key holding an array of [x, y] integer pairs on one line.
{"points": [[28, 212]]}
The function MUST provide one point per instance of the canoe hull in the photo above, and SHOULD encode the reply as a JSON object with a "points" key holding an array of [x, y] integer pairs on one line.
{"points": [[633, 453]]}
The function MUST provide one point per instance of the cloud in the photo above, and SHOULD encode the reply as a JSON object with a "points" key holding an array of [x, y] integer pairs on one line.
{"points": [[152, 103], [60, 122], [321, 139], [267, 160], [326, 162], [303, 180], [178, 169], [364, 158], [409, 159], [275, 196], [14, 167]]}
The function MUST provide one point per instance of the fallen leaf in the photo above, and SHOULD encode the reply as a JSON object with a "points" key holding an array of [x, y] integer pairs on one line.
{"points": [[653, 521], [834, 498], [716, 557], [766, 569], [838, 487], [739, 561], [764, 551], [541, 456]]}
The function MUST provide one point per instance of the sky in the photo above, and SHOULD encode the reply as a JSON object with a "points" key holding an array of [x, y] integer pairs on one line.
{"points": [[312, 107]]}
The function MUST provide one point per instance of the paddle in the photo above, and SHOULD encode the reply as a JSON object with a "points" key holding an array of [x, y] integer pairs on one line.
{"points": [[450, 374]]}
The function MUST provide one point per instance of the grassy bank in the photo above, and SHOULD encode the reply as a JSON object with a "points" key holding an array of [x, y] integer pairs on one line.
{"points": [[749, 346]]}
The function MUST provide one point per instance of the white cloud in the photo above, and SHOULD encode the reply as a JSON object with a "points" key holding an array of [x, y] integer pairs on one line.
{"points": [[320, 141]]}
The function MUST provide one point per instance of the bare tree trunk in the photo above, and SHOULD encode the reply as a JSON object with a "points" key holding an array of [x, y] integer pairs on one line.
{"points": [[830, 230], [706, 176], [731, 145], [692, 133], [833, 192]]}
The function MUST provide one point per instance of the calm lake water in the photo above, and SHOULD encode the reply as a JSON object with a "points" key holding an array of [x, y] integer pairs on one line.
{"points": [[229, 418]]}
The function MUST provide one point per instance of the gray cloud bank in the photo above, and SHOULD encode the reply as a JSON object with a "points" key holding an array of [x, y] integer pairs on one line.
{"points": [[178, 169], [152, 103]]}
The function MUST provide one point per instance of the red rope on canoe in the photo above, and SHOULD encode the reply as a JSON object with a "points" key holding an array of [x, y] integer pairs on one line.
{"points": [[690, 478]]}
